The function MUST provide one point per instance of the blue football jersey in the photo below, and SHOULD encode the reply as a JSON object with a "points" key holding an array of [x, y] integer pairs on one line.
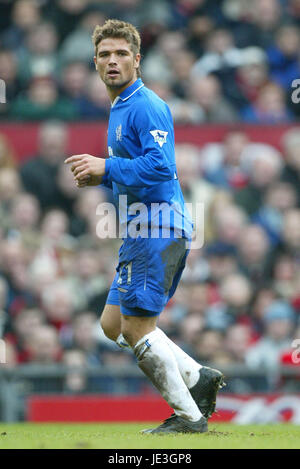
{"points": [[141, 168]]}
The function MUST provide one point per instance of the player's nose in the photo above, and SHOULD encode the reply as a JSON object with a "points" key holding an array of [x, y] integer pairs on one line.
{"points": [[112, 59]]}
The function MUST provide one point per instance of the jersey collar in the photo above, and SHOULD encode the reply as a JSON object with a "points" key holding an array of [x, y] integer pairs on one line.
{"points": [[128, 92]]}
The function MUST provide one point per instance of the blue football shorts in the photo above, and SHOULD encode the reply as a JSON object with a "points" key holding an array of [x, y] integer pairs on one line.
{"points": [[148, 273]]}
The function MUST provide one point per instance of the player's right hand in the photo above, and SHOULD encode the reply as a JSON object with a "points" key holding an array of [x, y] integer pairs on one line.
{"points": [[87, 181], [88, 170]]}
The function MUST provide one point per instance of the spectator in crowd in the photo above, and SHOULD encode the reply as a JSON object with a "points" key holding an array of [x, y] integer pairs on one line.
{"points": [[94, 104], [254, 253], [197, 268], [42, 102], [228, 223], [86, 208], [194, 187], [139, 12], [25, 213], [251, 76], [156, 66], [221, 163], [293, 9], [57, 304], [183, 10], [65, 14], [84, 336], [221, 56], [39, 59], [190, 330], [78, 44], [233, 307], [45, 349], [183, 111], [263, 297], [54, 227], [90, 278], [207, 94], [199, 27], [209, 346], [73, 79], [20, 330], [10, 186], [14, 265], [269, 107], [258, 23], [39, 173], [291, 152], [197, 298], [291, 233], [182, 66], [4, 316], [25, 16], [238, 338], [285, 277], [283, 56], [221, 260], [67, 190], [264, 165], [279, 198], [279, 322], [9, 74]]}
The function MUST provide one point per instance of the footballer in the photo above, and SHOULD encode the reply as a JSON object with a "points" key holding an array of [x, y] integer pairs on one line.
{"points": [[141, 166]]}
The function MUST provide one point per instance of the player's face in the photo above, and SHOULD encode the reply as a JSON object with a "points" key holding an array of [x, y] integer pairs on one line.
{"points": [[116, 63]]}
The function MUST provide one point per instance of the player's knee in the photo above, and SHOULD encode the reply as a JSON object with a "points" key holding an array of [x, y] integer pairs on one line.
{"points": [[110, 331]]}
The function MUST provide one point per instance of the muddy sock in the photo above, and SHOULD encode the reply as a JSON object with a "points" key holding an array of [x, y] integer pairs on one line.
{"points": [[157, 361], [188, 367]]}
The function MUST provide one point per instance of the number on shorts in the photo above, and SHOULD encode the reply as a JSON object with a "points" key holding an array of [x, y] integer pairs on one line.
{"points": [[129, 273]]}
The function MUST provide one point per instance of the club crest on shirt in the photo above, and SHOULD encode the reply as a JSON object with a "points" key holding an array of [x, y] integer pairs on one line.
{"points": [[160, 136], [119, 133]]}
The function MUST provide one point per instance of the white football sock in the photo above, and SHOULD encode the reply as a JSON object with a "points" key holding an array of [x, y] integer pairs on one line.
{"points": [[157, 361], [188, 367], [121, 342]]}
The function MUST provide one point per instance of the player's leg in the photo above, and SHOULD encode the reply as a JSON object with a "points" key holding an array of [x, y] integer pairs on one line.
{"points": [[111, 321], [157, 361], [203, 382], [111, 316]]}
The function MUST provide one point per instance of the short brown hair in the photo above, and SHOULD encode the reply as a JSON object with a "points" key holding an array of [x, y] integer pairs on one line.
{"points": [[118, 29]]}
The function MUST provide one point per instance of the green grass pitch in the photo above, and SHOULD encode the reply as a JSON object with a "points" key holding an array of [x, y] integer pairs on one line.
{"points": [[120, 436]]}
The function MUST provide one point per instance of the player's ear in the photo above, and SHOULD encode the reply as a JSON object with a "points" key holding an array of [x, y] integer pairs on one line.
{"points": [[137, 61], [95, 62]]}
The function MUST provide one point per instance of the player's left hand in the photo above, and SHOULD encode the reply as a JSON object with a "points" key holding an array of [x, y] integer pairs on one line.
{"points": [[86, 168]]}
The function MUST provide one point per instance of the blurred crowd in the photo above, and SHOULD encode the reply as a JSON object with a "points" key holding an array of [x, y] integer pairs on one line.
{"points": [[211, 60], [239, 299]]}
